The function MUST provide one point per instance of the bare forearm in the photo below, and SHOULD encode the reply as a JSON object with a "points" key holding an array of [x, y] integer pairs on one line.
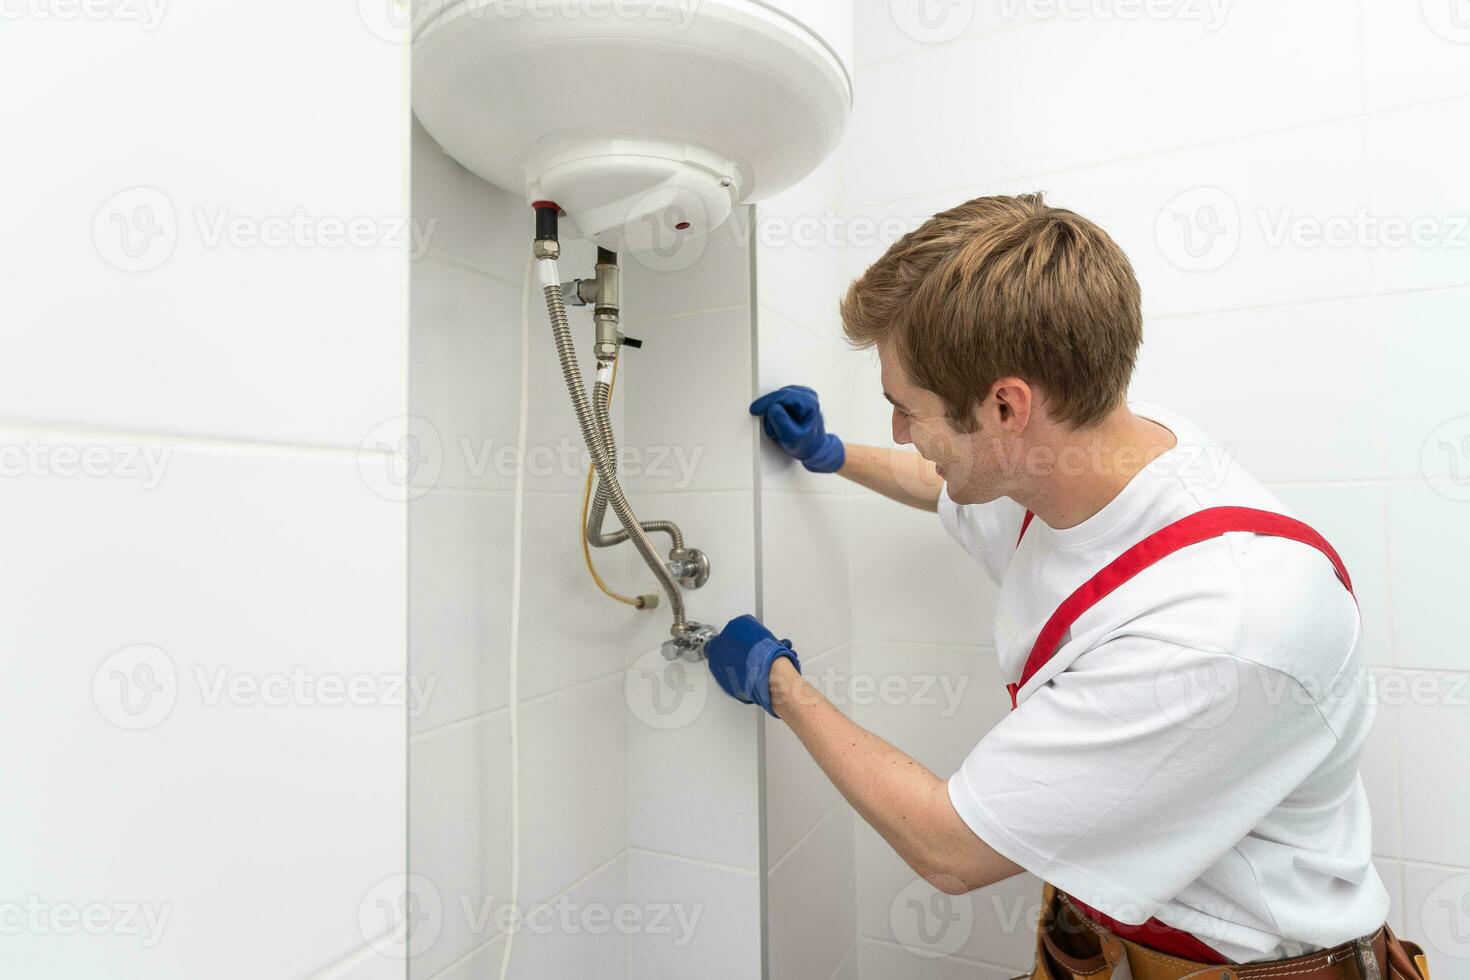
{"points": [[895, 473], [904, 801]]}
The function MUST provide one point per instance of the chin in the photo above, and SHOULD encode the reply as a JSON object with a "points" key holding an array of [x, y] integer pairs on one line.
{"points": [[970, 495]]}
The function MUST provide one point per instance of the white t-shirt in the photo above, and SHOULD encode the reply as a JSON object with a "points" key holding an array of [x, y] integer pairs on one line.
{"points": [[1191, 751]]}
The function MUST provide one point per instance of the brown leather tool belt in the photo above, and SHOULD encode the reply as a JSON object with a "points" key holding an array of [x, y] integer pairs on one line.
{"points": [[1070, 946]]}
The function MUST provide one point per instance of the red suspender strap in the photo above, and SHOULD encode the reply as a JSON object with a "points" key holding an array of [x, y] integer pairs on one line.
{"points": [[1200, 526], [1197, 527], [1025, 523]]}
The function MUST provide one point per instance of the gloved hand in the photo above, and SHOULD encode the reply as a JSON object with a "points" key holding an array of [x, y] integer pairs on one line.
{"points": [[792, 417], [740, 657]]}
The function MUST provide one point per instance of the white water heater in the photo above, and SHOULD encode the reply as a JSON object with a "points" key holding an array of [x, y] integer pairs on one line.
{"points": [[640, 119]]}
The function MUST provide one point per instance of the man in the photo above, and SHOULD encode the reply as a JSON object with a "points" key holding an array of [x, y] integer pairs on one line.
{"points": [[1190, 697]]}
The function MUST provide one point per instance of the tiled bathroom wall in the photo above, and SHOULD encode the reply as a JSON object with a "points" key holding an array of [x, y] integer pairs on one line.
{"points": [[203, 575], [638, 789]]}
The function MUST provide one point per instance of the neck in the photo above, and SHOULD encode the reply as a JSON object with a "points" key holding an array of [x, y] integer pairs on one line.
{"points": [[1093, 466]]}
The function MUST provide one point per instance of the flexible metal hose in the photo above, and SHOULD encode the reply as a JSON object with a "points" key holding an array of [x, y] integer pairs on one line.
{"points": [[601, 396], [602, 459]]}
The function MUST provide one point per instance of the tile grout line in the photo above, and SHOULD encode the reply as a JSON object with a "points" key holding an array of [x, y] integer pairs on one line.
{"points": [[690, 859], [841, 802], [483, 715]]}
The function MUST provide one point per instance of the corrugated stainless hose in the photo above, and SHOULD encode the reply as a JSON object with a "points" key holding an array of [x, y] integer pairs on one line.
{"points": [[601, 396], [597, 448]]}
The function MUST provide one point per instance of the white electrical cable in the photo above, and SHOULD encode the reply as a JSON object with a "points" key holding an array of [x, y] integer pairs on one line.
{"points": [[515, 620]]}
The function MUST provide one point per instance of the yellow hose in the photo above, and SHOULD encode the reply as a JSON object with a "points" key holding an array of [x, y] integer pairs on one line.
{"points": [[582, 526]]}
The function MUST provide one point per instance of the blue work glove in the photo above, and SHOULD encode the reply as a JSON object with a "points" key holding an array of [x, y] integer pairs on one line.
{"points": [[741, 656], [792, 417]]}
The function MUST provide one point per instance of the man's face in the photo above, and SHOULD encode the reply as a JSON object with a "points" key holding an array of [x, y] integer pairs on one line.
{"points": [[969, 462]]}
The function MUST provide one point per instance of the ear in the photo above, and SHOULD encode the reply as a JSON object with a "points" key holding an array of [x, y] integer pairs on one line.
{"points": [[1011, 402]]}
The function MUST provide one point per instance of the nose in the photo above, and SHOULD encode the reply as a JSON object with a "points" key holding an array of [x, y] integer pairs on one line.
{"points": [[901, 429]]}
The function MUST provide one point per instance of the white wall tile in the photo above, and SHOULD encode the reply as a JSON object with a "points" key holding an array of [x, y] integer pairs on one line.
{"points": [[288, 336], [1436, 712], [887, 31], [1437, 916], [306, 790], [570, 631], [1392, 873], [466, 334], [804, 572], [997, 923], [887, 961], [712, 926], [798, 793], [1379, 768], [1429, 575], [459, 603], [791, 355], [573, 786], [799, 261], [933, 702], [1250, 222], [1414, 51], [1318, 363], [1421, 190], [578, 937], [692, 764], [810, 916], [591, 946], [1305, 68], [367, 963], [686, 395], [459, 832], [1426, 343], [849, 968], [1353, 518], [475, 223], [911, 581], [699, 273]]}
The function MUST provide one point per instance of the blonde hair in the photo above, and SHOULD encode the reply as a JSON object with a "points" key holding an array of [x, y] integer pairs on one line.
{"points": [[1003, 286]]}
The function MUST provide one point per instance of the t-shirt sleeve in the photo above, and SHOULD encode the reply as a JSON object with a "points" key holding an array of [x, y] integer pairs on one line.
{"points": [[987, 531], [1136, 769]]}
